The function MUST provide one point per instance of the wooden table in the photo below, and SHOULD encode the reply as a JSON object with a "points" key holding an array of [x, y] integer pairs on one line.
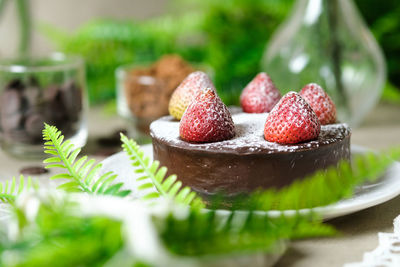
{"points": [[359, 231]]}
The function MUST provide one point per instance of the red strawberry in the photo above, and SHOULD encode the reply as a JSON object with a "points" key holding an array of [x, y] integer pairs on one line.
{"points": [[320, 102], [260, 95], [206, 119], [291, 121], [186, 91]]}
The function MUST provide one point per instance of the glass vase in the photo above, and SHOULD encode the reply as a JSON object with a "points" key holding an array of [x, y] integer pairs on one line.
{"points": [[327, 42]]}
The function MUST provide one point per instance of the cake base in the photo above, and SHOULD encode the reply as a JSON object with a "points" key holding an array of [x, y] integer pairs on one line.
{"points": [[247, 162]]}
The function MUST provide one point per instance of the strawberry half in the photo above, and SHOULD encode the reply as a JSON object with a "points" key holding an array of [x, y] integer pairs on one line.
{"points": [[260, 95], [186, 91], [291, 121], [320, 102], [206, 119]]}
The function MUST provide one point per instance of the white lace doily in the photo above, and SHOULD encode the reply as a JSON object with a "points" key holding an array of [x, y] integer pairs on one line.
{"points": [[387, 254]]}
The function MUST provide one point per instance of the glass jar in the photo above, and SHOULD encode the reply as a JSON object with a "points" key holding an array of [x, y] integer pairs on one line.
{"points": [[141, 99], [327, 42], [37, 91], [144, 91]]}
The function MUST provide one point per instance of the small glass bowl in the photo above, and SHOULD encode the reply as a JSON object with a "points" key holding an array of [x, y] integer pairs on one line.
{"points": [[144, 91], [140, 99], [37, 91]]}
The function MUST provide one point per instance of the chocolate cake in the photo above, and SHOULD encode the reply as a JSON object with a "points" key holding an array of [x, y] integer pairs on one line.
{"points": [[247, 161]]}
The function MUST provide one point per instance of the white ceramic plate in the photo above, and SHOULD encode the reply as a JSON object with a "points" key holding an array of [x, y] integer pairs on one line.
{"points": [[367, 195]]}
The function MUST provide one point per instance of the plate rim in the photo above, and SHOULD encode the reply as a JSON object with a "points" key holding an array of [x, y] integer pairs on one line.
{"points": [[338, 209]]}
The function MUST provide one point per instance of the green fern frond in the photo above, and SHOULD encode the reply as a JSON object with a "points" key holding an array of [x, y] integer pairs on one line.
{"points": [[324, 187], [10, 189], [81, 173], [154, 178], [205, 233]]}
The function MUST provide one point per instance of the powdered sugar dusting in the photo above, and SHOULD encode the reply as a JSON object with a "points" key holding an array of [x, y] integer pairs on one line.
{"points": [[206, 119], [260, 95], [320, 102], [292, 121], [186, 91], [249, 129]]}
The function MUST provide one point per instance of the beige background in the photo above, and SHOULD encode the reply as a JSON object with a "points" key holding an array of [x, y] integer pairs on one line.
{"points": [[69, 14]]}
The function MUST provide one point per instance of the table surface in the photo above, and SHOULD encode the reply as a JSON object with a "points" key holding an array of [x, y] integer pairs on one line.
{"points": [[381, 130]]}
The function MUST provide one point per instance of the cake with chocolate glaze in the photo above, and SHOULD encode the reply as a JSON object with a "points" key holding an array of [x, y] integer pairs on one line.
{"points": [[246, 162], [282, 140]]}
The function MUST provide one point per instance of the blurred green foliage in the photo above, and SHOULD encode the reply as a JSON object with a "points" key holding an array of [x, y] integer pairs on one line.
{"points": [[237, 32], [384, 20], [58, 238], [229, 36], [107, 44]]}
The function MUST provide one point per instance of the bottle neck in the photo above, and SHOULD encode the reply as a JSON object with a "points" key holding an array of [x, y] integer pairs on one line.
{"points": [[325, 16], [314, 9]]}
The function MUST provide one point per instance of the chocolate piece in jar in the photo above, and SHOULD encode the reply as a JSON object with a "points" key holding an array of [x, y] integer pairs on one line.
{"points": [[10, 101], [15, 84], [32, 93], [71, 97], [10, 122], [63, 106], [51, 93], [54, 108], [34, 125], [25, 108]]}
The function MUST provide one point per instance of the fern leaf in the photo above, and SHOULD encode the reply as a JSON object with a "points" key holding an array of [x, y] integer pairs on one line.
{"points": [[324, 187], [73, 155], [79, 163], [93, 172], [114, 189], [169, 181], [154, 177], [12, 186], [86, 167], [105, 184], [150, 196], [145, 186], [10, 189], [122, 193], [6, 187], [204, 233], [175, 188], [51, 166], [21, 184], [81, 174], [61, 176], [51, 152], [52, 160], [71, 186], [101, 180]]}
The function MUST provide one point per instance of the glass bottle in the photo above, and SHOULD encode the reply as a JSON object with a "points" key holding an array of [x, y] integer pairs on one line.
{"points": [[327, 42]]}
